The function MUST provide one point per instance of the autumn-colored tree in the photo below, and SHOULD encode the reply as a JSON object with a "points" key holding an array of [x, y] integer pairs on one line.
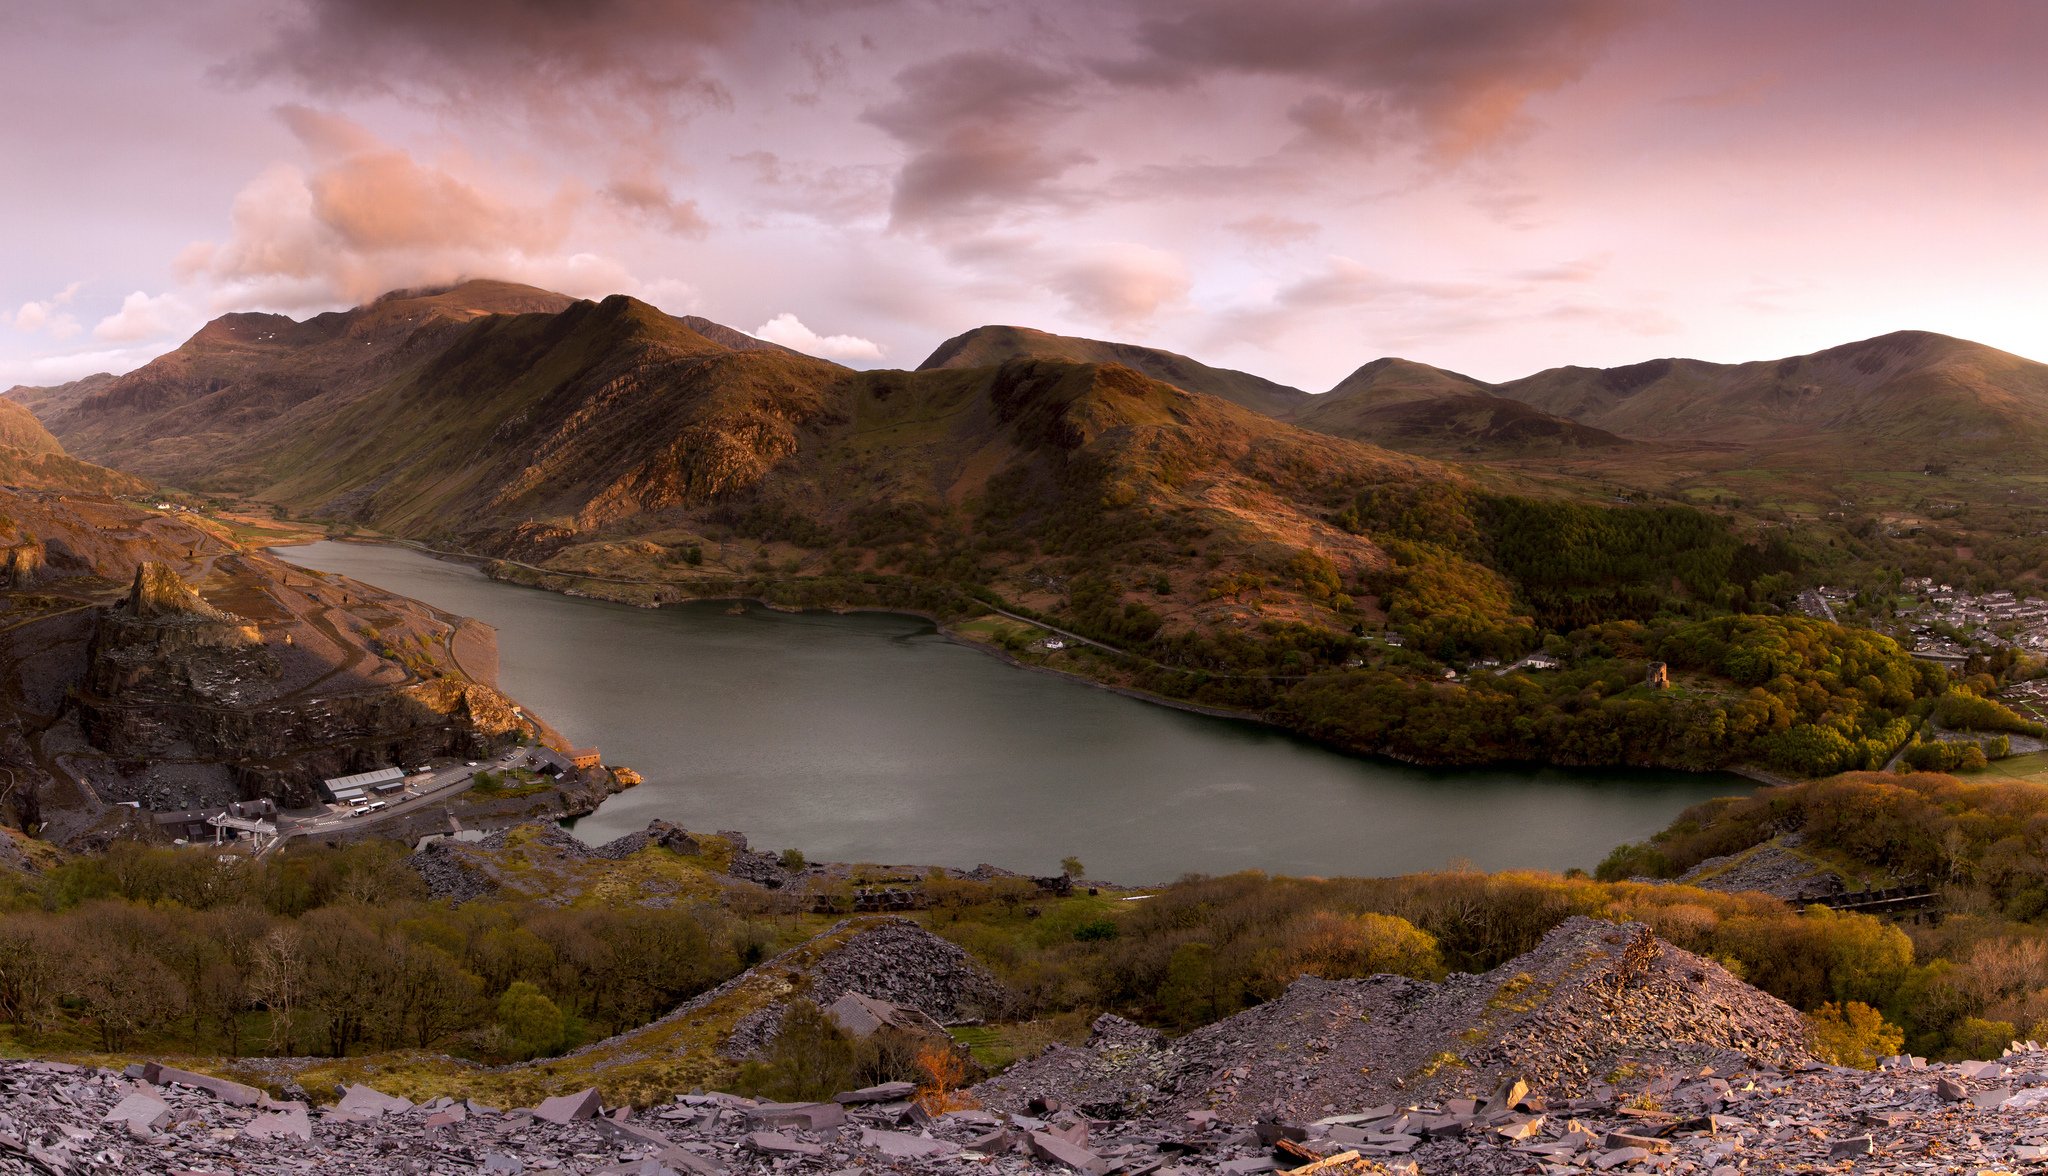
{"points": [[944, 1071], [1853, 1034]]}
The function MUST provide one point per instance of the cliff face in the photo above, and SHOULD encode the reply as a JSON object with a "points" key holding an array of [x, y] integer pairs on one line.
{"points": [[21, 564], [157, 663]]}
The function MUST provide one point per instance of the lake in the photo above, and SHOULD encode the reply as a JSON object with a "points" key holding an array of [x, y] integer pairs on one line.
{"points": [[873, 737]]}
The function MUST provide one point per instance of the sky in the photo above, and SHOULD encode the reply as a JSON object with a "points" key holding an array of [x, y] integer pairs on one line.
{"points": [[1290, 187]]}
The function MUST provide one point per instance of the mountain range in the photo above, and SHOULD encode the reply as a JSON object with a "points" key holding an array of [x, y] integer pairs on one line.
{"points": [[520, 422]]}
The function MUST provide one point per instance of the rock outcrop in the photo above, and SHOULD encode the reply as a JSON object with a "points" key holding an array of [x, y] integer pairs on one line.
{"points": [[158, 593], [21, 564]]}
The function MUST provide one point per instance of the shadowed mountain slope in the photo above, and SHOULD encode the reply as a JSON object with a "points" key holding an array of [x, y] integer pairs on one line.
{"points": [[243, 373], [1407, 405], [985, 346]]}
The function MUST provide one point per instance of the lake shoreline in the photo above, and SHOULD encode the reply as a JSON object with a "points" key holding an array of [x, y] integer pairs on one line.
{"points": [[483, 562], [861, 738]]}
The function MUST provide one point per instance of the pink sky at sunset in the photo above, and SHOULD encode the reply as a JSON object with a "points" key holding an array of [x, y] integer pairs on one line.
{"points": [[1292, 187]]}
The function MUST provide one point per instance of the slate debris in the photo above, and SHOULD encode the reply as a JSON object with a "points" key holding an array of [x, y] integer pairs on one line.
{"points": [[65, 1119]]}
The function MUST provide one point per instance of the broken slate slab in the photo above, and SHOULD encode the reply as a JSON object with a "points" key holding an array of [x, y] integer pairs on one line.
{"points": [[886, 1092], [1623, 1140], [1047, 1146], [289, 1123], [901, 1145], [232, 1093], [807, 1116], [774, 1143], [567, 1108], [141, 1112], [363, 1101]]}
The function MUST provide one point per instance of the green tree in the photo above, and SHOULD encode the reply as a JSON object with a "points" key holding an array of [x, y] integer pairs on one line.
{"points": [[532, 1021]]}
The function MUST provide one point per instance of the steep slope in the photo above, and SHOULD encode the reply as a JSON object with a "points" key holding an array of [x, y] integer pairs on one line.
{"points": [[31, 457], [174, 417], [1406, 405], [1910, 392], [577, 420], [987, 346]]}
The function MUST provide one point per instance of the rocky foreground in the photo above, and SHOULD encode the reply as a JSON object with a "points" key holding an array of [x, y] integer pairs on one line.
{"points": [[1972, 1117], [1604, 1050]]}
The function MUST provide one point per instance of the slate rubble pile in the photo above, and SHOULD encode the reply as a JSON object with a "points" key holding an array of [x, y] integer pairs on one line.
{"points": [[452, 871], [886, 958], [1591, 996], [892, 960], [1767, 869]]}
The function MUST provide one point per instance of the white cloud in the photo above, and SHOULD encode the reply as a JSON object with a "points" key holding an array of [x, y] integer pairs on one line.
{"points": [[34, 316], [143, 317], [789, 330]]}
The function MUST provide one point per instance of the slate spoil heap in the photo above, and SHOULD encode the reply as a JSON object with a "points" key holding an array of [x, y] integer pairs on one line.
{"points": [[1592, 997]]}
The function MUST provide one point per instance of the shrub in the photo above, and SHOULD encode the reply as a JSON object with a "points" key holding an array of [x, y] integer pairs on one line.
{"points": [[531, 1021]]}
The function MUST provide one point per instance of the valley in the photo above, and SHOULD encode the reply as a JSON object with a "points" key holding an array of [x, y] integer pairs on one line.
{"points": [[1453, 646]]}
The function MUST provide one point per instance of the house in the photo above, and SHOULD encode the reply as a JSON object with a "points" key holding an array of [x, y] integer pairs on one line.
{"points": [[584, 757]]}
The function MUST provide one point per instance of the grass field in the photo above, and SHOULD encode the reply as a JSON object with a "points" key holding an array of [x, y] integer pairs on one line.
{"points": [[2027, 769]]}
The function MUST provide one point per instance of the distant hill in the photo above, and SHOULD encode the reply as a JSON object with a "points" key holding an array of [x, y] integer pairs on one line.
{"points": [[31, 457], [1894, 398], [19, 429], [730, 337], [56, 399], [986, 346], [1407, 405]]}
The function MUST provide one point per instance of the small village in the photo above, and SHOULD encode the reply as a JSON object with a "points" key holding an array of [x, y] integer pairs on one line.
{"points": [[1944, 623]]}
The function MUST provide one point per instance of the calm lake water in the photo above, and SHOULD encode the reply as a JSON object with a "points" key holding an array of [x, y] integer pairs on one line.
{"points": [[871, 737]]}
